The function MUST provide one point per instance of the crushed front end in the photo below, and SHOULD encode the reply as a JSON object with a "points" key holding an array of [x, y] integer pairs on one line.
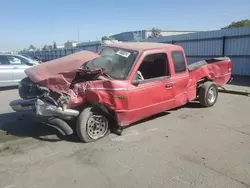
{"points": [[59, 90], [42, 101], [49, 89]]}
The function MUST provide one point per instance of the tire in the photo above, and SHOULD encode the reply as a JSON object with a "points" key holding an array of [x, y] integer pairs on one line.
{"points": [[92, 124], [60, 125], [208, 94]]}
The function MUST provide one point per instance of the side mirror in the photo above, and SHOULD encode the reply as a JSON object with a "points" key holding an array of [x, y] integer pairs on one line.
{"points": [[135, 82]]}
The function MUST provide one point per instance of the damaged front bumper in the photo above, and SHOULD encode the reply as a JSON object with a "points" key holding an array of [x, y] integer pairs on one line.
{"points": [[41, 108]]}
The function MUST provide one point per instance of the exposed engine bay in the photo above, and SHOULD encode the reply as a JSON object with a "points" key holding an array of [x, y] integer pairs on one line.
{"points": [[30, 90]]}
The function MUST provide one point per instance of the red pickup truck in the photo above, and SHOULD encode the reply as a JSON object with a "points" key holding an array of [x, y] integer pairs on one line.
{"points": [[124, 83]]}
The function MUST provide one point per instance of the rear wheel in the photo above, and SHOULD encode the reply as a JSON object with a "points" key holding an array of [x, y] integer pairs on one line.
{"points": [[92, 124], [208, 94]]}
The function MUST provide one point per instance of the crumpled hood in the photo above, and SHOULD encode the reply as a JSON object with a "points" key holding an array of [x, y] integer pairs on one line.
{"points": [[64, 68]]}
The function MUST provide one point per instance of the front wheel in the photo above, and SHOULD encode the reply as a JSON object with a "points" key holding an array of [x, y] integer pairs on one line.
{"points": [[208, 94], [92, 124]]}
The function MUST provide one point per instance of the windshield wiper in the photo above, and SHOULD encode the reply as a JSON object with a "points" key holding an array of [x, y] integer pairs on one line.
{"points": [[85, 66]]}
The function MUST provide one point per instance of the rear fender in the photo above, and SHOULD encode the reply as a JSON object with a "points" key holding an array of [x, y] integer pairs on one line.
{"points": [[194, 87], [201, 81]]}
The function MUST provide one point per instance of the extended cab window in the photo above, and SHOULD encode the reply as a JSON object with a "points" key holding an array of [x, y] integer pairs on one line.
{"points": [[179, 61], [153, 66]]}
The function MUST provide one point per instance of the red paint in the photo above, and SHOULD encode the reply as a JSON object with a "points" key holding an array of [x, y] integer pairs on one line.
{"points": [[129, 102], [67, 66]]}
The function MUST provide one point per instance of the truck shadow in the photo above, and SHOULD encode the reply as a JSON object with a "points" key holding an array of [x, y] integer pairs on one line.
{"points": [[156, 116], [13, 125], [193, 104]]}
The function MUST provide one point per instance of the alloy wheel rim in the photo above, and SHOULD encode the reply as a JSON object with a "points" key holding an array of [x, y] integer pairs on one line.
{"points": [[211, 95]]}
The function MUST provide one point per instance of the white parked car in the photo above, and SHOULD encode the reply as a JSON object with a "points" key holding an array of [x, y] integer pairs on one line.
{"points": [[12, 68]]}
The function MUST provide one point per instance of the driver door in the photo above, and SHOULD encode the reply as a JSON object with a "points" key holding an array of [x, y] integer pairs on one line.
{"points": [[152, 94]]}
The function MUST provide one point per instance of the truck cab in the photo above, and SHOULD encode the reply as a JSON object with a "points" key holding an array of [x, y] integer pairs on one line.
{"points": [[158, 81]]}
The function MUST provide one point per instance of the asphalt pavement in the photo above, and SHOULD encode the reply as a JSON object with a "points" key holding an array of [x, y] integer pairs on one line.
{"points": [[187, 147]]}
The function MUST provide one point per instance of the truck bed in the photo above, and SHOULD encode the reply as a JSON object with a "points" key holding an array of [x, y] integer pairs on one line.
{"points": [[201, 63], [216, 69]]}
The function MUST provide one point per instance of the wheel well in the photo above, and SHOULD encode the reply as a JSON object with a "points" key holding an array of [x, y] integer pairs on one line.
{"points": [[203, 80], [111, 114], [200, 83]]}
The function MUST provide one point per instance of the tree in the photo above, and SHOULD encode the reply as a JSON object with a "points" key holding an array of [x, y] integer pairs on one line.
{"points": [[155, 32], [107, 38], [32, 47], [50, 47], [240, 23], [24, 50], [45, 47], [54, 45]]}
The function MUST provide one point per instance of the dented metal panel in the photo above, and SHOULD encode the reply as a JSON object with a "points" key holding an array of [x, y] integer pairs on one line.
{"points": [[53, 68]]}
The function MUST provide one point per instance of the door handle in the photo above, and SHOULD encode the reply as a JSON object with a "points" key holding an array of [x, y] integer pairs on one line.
{"points": [[169, 85]]}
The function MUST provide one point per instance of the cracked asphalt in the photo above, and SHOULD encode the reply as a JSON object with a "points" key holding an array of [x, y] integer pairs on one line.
{"points": [[187, 147]]}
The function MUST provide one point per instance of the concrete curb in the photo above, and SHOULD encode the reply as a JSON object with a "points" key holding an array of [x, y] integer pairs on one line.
{"points": [[235, 92]]}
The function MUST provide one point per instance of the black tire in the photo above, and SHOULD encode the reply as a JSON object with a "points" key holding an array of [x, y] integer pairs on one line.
{"points": [[204, 94], [60, 125], [82, 124]]}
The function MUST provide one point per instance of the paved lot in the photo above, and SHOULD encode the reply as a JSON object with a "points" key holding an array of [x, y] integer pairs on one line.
{"points": [[188, 147]]}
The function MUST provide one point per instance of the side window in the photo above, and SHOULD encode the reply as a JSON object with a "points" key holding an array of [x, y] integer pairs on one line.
{"points": [[23, 60], [3, 60], [179, 61], [153, 66], [15, 60]]}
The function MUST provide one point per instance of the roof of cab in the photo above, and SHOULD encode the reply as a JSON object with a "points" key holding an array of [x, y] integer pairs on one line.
{"points": [[139, 46]]}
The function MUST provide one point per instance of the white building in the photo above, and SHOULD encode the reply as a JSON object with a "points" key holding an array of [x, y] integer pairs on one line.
{"points": [[144, 34], [60, 46], [70, 44]]}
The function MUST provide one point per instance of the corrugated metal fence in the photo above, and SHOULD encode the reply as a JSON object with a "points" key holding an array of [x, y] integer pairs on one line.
{"points": [[57, 53], [234, 43]]}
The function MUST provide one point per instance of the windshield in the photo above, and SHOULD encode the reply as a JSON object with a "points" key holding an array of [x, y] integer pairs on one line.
{"points": [[115, 62]]}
